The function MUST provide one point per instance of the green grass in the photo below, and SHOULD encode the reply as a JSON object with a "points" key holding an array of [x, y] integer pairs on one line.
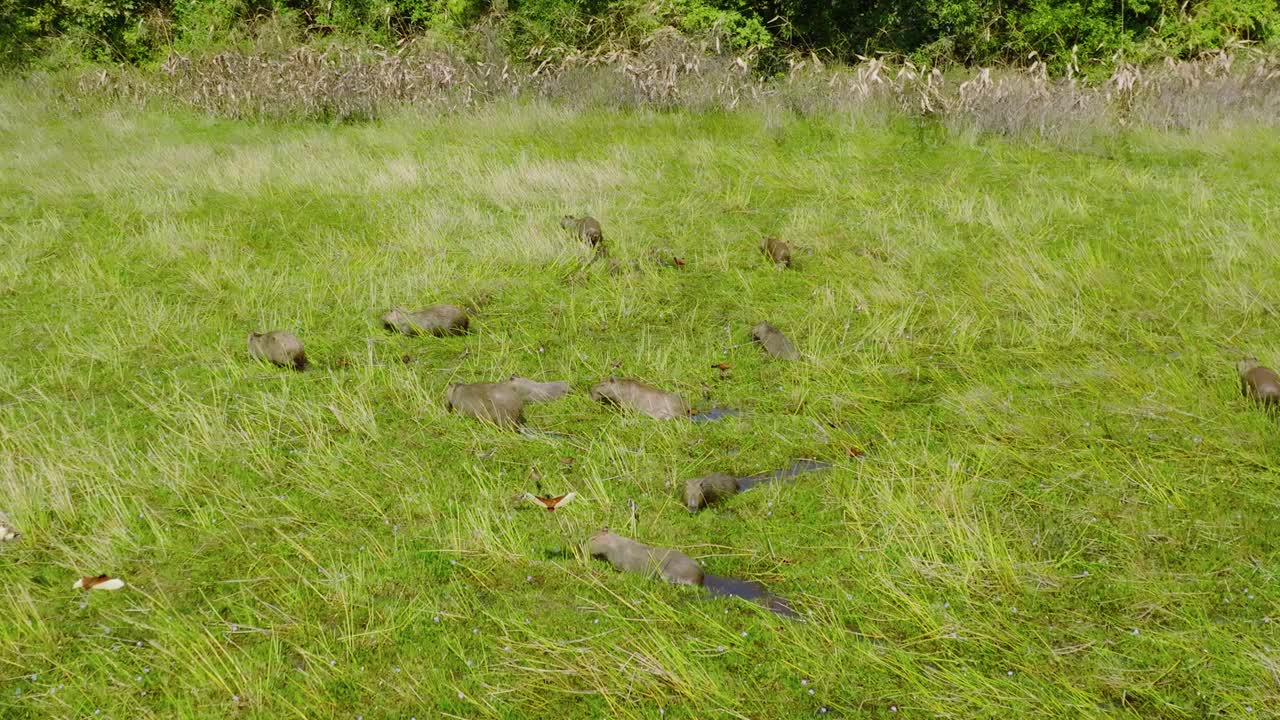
{"points": [[1064, 509]]}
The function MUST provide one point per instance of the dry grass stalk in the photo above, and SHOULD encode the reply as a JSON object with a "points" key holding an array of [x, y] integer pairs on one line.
{"points": [[669, 71]]}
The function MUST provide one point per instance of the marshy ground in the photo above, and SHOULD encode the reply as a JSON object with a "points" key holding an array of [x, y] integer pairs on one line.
{"points": [[1049, 498]]}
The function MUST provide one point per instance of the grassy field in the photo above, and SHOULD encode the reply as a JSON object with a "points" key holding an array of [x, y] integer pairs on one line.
{"points": [[1062, 507]]}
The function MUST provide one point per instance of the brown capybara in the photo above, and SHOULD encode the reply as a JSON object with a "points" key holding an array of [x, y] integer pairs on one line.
{"points": [[1262, 384], [588, 231], [438, 320], [774, 342], [777, 250], [675, 567], [279, 348], [534, 391], [707, 490], [630, 556], [642, 398], [497, 403]]}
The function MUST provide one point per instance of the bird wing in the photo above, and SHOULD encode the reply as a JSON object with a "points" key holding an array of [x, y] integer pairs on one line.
{"points": [[563, 500], [101, 582]]}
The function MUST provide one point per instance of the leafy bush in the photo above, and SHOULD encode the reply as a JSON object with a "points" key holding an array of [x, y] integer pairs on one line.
{"points": [[1212, 24], [739, 23], [99, 30], [931, 31]]}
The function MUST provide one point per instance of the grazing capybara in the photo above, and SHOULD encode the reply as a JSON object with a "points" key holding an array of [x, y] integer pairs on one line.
{"points": [[279, 348], [587, 229], [630, 556], [534, 391], [642, 398], [777, 250], [497, 403], [436, 320], [1262, 384], [709, 489], [774, 342], [675, 567]]}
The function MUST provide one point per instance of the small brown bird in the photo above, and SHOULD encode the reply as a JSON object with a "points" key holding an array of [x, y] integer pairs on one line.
{"points": [[777, 250], [1259, 383], [551, 504], [279, 348], [100, 582], [665, 258]]}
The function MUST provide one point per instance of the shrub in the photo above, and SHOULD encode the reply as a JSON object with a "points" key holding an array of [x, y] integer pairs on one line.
{"points": [[1212, 24], [928, 31], [739, 25]]}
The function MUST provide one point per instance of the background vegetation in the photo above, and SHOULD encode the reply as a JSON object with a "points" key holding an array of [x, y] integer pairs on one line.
{"points": [[936, 31]]}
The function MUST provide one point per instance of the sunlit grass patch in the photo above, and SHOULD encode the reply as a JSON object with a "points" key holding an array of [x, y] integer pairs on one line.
{"points": [[1048, 496]]}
